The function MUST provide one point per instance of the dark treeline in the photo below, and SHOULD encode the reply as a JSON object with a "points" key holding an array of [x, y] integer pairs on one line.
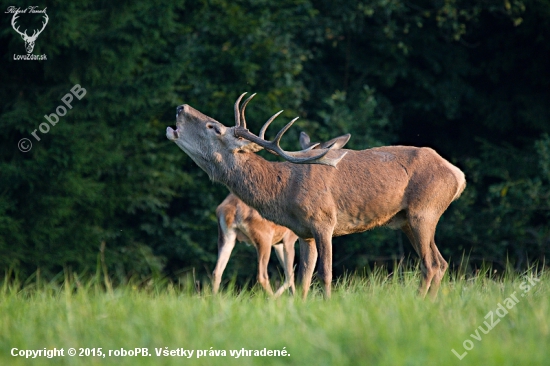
{"points": [[470, 79]]}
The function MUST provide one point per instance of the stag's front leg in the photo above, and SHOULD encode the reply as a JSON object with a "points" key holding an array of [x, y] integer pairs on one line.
{"points": [[324, 248], [308, 258]]}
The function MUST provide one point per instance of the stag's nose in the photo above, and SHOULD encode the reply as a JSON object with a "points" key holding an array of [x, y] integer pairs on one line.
{"points": [[178, 110]]}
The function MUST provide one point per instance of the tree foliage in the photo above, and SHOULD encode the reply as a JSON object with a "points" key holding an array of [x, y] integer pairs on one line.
{"points": [[467, 78]]}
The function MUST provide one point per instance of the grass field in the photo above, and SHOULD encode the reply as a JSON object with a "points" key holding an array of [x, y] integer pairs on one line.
{"points": [[375, 319]]}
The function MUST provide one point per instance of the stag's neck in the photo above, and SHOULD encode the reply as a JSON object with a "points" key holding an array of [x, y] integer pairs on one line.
{"points": [[259, 183]]}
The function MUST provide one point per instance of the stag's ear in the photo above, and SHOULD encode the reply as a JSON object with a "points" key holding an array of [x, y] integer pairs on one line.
{"points": [[305, 142], [336, 143]]}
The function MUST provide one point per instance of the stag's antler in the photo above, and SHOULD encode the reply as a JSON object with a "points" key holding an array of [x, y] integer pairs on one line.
{"points": [[43, 25], [13, 19], [296, 157], [24, 34]]}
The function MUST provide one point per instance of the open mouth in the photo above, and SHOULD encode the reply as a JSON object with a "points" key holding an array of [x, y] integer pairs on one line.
{"points": [[171, 134]]}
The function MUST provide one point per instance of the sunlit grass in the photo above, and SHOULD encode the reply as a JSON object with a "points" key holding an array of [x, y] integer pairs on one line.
{"points": [[374, 318]]}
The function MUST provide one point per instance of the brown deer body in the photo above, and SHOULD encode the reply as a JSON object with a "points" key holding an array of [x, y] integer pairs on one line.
{"points": [[238, 221], [336, 192]]}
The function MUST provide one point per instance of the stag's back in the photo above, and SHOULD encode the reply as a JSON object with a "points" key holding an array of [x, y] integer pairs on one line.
{"points": [[369, 187]]}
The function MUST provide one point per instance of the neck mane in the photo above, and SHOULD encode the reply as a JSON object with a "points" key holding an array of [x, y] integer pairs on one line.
{"points": [[259, 183]]}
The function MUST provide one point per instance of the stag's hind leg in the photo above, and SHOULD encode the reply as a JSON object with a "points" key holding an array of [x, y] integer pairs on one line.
{"points": [[406, 228], [323, 240], [443, 265], [422, 227], [436, 281]]}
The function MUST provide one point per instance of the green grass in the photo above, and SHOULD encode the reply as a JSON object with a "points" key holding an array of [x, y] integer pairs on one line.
{"points": [[374, 319]]}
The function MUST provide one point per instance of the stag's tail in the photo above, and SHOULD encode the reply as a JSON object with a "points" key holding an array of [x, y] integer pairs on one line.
{"points": [[461, 180]]}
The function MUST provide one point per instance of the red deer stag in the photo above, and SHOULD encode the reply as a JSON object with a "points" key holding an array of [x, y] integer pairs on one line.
{"points": [[238, 221], [323, 193]]}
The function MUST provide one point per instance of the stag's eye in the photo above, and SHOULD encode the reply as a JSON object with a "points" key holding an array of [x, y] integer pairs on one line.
{"points": [[215, 127]]}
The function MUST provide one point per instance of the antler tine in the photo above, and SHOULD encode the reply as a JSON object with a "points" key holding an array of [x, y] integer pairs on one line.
{"points": [[44, 23], [288, 155], [237, 111], [266, 125], [283, 130], [312, 146], [13, 19], [274, 147], [243, 120]]}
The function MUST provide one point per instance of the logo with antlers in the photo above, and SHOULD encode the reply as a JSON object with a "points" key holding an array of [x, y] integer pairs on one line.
{"points": [[29, 40]]}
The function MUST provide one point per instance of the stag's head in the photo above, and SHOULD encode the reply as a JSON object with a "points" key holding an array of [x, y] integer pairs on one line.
{"points": [[212, 145], [201, 137], [29, 40]]}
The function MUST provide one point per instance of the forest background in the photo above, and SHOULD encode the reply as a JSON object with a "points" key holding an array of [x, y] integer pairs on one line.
{"points": [[470, 79]]}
